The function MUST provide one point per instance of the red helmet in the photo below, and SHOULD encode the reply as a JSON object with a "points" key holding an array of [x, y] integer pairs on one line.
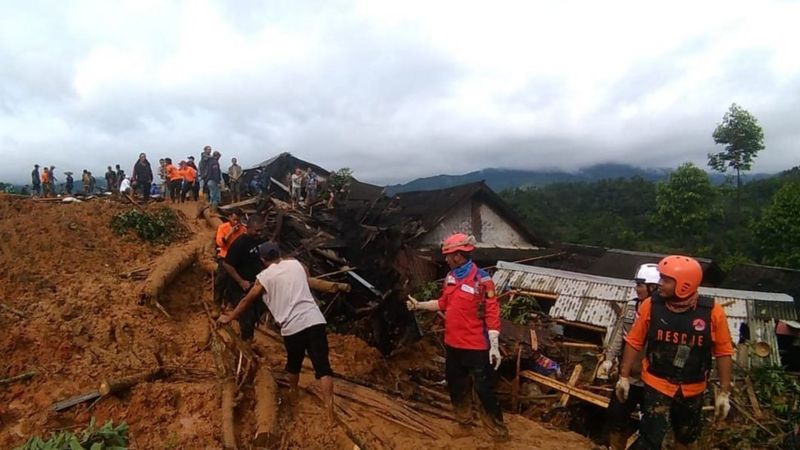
{"points": [[686, 272], [458, 242]]}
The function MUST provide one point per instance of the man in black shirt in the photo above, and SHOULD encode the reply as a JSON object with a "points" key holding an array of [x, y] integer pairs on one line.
{"points": [[36, 180], [142, 176], [242, 264]]}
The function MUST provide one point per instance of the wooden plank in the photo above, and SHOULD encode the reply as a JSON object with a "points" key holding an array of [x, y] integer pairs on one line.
{"points": [[573, 380], [586, 396], [751, 394]]}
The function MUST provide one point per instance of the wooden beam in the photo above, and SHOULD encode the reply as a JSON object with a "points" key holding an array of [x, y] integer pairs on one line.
{"points": [[586, 396], [573, 380], [751, 394], [541, 295], [582, 325]]}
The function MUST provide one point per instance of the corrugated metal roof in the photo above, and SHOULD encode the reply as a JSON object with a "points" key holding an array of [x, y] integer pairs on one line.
{"points": [[589, 298]]}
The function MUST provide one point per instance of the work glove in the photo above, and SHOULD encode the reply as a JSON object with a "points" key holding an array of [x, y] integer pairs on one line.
{"points": [[604, 369], [622, 388], [722, 405], [413, 305], [495, 357]]}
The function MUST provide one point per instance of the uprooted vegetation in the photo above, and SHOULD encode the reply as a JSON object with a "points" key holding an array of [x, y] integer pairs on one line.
{"points": [[106, 437], [82, 332]]}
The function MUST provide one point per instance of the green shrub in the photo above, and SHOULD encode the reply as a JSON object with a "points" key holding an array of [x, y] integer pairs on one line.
{"points": [[161, 226], [107, 437]]}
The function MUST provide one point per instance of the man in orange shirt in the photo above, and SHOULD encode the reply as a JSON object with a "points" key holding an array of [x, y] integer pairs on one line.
{"points": [[189, 176], [680, 331], [226, 234], [175, 179]]}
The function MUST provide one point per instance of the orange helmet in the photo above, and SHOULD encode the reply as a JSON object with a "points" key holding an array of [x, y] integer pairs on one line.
{"points": [[686, 272], [458, 242]]}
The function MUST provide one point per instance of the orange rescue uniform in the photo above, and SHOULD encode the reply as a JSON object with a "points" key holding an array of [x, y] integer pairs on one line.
{"points": [[222, 231], [721, 346], [172, 172], [188, 174]]}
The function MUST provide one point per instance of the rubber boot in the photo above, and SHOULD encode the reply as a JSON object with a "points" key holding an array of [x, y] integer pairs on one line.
{"points": [[463, 415], [495, 426]]}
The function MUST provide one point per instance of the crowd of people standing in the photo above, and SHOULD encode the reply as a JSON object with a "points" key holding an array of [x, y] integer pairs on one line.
{"points": [[178, 183]]}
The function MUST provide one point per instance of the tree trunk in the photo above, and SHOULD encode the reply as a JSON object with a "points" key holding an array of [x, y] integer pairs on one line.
{"points": [[228, 431], [266, 409]]}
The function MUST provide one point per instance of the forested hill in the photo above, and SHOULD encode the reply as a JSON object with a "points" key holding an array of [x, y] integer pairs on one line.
{"points": [[685, 212], [501, 179]]}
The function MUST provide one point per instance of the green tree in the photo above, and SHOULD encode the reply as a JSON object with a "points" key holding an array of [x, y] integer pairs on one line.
{"points": [[743, 138], [685, 205], [778, 231]]}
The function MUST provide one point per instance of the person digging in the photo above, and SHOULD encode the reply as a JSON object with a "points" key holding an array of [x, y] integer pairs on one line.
{"points": [[283, 287], [471, 335], [678, 331]]}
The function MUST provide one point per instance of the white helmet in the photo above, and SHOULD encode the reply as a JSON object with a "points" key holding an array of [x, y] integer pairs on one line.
{"points": [[648, 273]]}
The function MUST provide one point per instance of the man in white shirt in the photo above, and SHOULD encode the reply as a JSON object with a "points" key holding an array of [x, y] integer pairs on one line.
{"points": [[283, 286]]}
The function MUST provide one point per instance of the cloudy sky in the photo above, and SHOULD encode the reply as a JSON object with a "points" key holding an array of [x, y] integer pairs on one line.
{"points": [[395, 90]]}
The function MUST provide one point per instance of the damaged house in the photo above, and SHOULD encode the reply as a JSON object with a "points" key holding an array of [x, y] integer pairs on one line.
{"points": [[588, 306], [384, 247]]}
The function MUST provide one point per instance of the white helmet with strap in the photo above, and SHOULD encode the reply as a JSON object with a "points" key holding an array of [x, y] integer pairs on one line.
{"points": [[648, 273]]}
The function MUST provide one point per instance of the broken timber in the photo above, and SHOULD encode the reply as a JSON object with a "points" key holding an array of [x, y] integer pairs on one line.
{"points": [[584, 395], [228, 403], [20, 377], [573, 380], [13, 310], [327, 286]]}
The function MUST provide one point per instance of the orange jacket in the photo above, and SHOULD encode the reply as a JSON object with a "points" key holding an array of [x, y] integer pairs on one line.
{"points": [[172, 172], [45, 177], [188, 174], [224, 244], [720, 336]]}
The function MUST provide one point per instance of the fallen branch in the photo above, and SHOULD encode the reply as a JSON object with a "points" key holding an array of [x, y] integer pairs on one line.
{"points": [[327, 286], [118, 386], [20, 377]]}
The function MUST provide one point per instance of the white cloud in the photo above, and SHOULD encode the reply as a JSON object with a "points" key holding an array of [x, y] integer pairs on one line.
{"points": [[394, 90]]}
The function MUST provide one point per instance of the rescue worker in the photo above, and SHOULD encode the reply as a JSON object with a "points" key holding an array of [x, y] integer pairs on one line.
{"points": [[226, 235], [189, 176], [283, 288], [680, 331], [471, 335], [46, 181], [175, 179], [619, 413]]}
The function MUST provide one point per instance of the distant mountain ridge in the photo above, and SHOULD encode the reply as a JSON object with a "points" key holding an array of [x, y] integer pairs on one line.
{"points": [[501, 179]]}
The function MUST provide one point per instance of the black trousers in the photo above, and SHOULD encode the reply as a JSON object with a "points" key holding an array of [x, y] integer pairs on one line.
{"points": [[460, 366], [659, 412], [188, 188], [313, 340], [249, 317], [144, 189], [175, 190], [618, 416]]}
